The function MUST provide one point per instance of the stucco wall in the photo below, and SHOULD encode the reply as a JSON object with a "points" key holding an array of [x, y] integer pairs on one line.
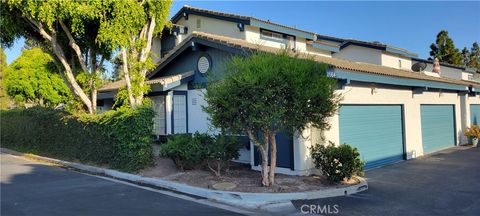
{"points": [[361, 93], [360, 54], [390, 60], [212, 26]]}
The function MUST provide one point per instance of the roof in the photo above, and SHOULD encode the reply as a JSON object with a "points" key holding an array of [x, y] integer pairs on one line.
{"points": [[162, 80], [248, 20], [441, 63], [334, 62], [240, 18]]}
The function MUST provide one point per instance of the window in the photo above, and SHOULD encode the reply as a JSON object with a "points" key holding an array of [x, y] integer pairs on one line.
{"points": [[470, 77], [288, 40], [199, 23]]}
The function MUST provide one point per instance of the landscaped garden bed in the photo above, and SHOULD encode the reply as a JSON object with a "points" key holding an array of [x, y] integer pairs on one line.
{"points": [[244, 179]]}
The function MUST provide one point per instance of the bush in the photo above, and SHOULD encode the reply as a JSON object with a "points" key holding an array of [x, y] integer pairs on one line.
{"points": [[119, 139], [189, 152], [185, 150], [472, 132], [221, 152], [337, 163]]}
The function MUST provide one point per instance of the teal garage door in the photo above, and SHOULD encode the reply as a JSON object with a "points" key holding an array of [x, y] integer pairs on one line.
{"points": [[375, 130], [475, 114], [438, 128]]}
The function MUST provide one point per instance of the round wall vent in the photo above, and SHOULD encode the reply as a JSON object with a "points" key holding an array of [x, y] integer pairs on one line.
{"points": [[204, 64]]}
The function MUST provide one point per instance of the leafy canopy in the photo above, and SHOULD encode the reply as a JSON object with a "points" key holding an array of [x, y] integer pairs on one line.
{"points": [[444, 49], [271, 92], [34, 78]]}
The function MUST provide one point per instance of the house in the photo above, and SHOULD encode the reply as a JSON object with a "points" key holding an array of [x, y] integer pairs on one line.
{"points": [[389, 112]]}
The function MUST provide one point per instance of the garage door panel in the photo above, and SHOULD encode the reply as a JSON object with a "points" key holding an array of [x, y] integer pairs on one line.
{"points": [[376, 130], [438, 128], [475, 114]]}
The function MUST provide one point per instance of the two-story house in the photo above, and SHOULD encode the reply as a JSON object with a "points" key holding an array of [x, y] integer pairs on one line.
{"points": [[389, 112]]}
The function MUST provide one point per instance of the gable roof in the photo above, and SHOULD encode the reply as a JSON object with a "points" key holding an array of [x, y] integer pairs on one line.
{"points": [[162, 81], [248, 20], [240, 46]]}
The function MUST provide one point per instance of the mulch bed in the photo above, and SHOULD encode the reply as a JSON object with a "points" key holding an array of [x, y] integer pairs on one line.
{"points": [[246, 180]]}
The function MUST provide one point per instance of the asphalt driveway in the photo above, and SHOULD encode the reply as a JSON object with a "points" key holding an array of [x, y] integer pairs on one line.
{"points": [[29, 188], [445, 183]]}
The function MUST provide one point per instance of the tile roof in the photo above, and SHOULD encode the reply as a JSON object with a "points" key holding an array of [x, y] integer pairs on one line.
{"points": [[162, 80], [336, 63], [235, 16]]}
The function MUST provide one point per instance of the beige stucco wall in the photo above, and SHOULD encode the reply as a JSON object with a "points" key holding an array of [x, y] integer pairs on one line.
{"points": [[360, 54], [391, 60], [212, 26], [361, 93]]}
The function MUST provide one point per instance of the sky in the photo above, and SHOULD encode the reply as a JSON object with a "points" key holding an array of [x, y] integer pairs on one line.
{"points": [[409, 25]]}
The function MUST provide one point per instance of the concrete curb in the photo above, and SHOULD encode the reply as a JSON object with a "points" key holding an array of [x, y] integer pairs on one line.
{"points": [[243, 199]]}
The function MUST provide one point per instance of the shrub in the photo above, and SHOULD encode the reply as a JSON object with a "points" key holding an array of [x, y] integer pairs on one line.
{"points": [[473, 132], [185, 150], [119, 139], [189, 152], [221, 152], [337, 163]]}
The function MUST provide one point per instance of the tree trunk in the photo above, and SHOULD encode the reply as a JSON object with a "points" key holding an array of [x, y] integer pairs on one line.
{"points": [[131, 98], [273, 158], [77, 90], [94, 97], [264, 152]]}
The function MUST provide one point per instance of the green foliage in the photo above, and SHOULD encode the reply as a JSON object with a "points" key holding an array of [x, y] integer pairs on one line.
{"points": [[98, 27], [4, 99], [221, 151], [33, 78], [337, 163], [444, 49], [201, 149], [185, 150], [120, 139], [471, 58], [270, 92]]}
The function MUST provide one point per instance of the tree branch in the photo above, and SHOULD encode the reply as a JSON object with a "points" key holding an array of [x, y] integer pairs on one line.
{"points": [[74, 46], [40, 29]]}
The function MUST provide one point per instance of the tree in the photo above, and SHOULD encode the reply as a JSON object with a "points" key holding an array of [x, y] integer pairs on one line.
{"points": [[34, 78], [4, 100], [132, 31], [262, 94], [444, 49], [65, 29], [81, 35], [465, 56], [474, 58]]}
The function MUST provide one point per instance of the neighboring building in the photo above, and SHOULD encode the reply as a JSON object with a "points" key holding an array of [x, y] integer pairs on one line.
{"points": [[389, 112]]}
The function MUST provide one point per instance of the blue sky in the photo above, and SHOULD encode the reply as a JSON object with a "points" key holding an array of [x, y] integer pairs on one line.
{"points": [[409, 25]]}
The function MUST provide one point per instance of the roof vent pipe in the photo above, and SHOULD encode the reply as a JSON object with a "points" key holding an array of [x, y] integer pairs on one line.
{"points": [[436, 66]]}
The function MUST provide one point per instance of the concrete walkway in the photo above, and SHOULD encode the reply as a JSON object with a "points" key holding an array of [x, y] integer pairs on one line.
{"points": [[30, 188], [446, 183]]}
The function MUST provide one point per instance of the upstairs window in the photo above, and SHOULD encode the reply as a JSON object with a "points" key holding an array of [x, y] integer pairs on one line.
{"points": [[199, 23], [288, 40]]}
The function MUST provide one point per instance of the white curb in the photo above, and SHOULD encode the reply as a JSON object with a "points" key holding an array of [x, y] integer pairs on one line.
{"points": [[243, 199]]}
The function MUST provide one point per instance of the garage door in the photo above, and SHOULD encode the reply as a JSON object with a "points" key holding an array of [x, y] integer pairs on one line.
{"points": [[376, 130], [475, 114], [438, 129]]}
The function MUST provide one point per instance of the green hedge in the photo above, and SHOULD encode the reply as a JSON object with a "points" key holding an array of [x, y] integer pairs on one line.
{"points": [[119, 139]]}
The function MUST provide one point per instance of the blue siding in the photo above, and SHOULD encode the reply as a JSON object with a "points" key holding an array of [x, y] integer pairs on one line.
{"points": [[475, 114], [438, 128], [376, 130]]}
